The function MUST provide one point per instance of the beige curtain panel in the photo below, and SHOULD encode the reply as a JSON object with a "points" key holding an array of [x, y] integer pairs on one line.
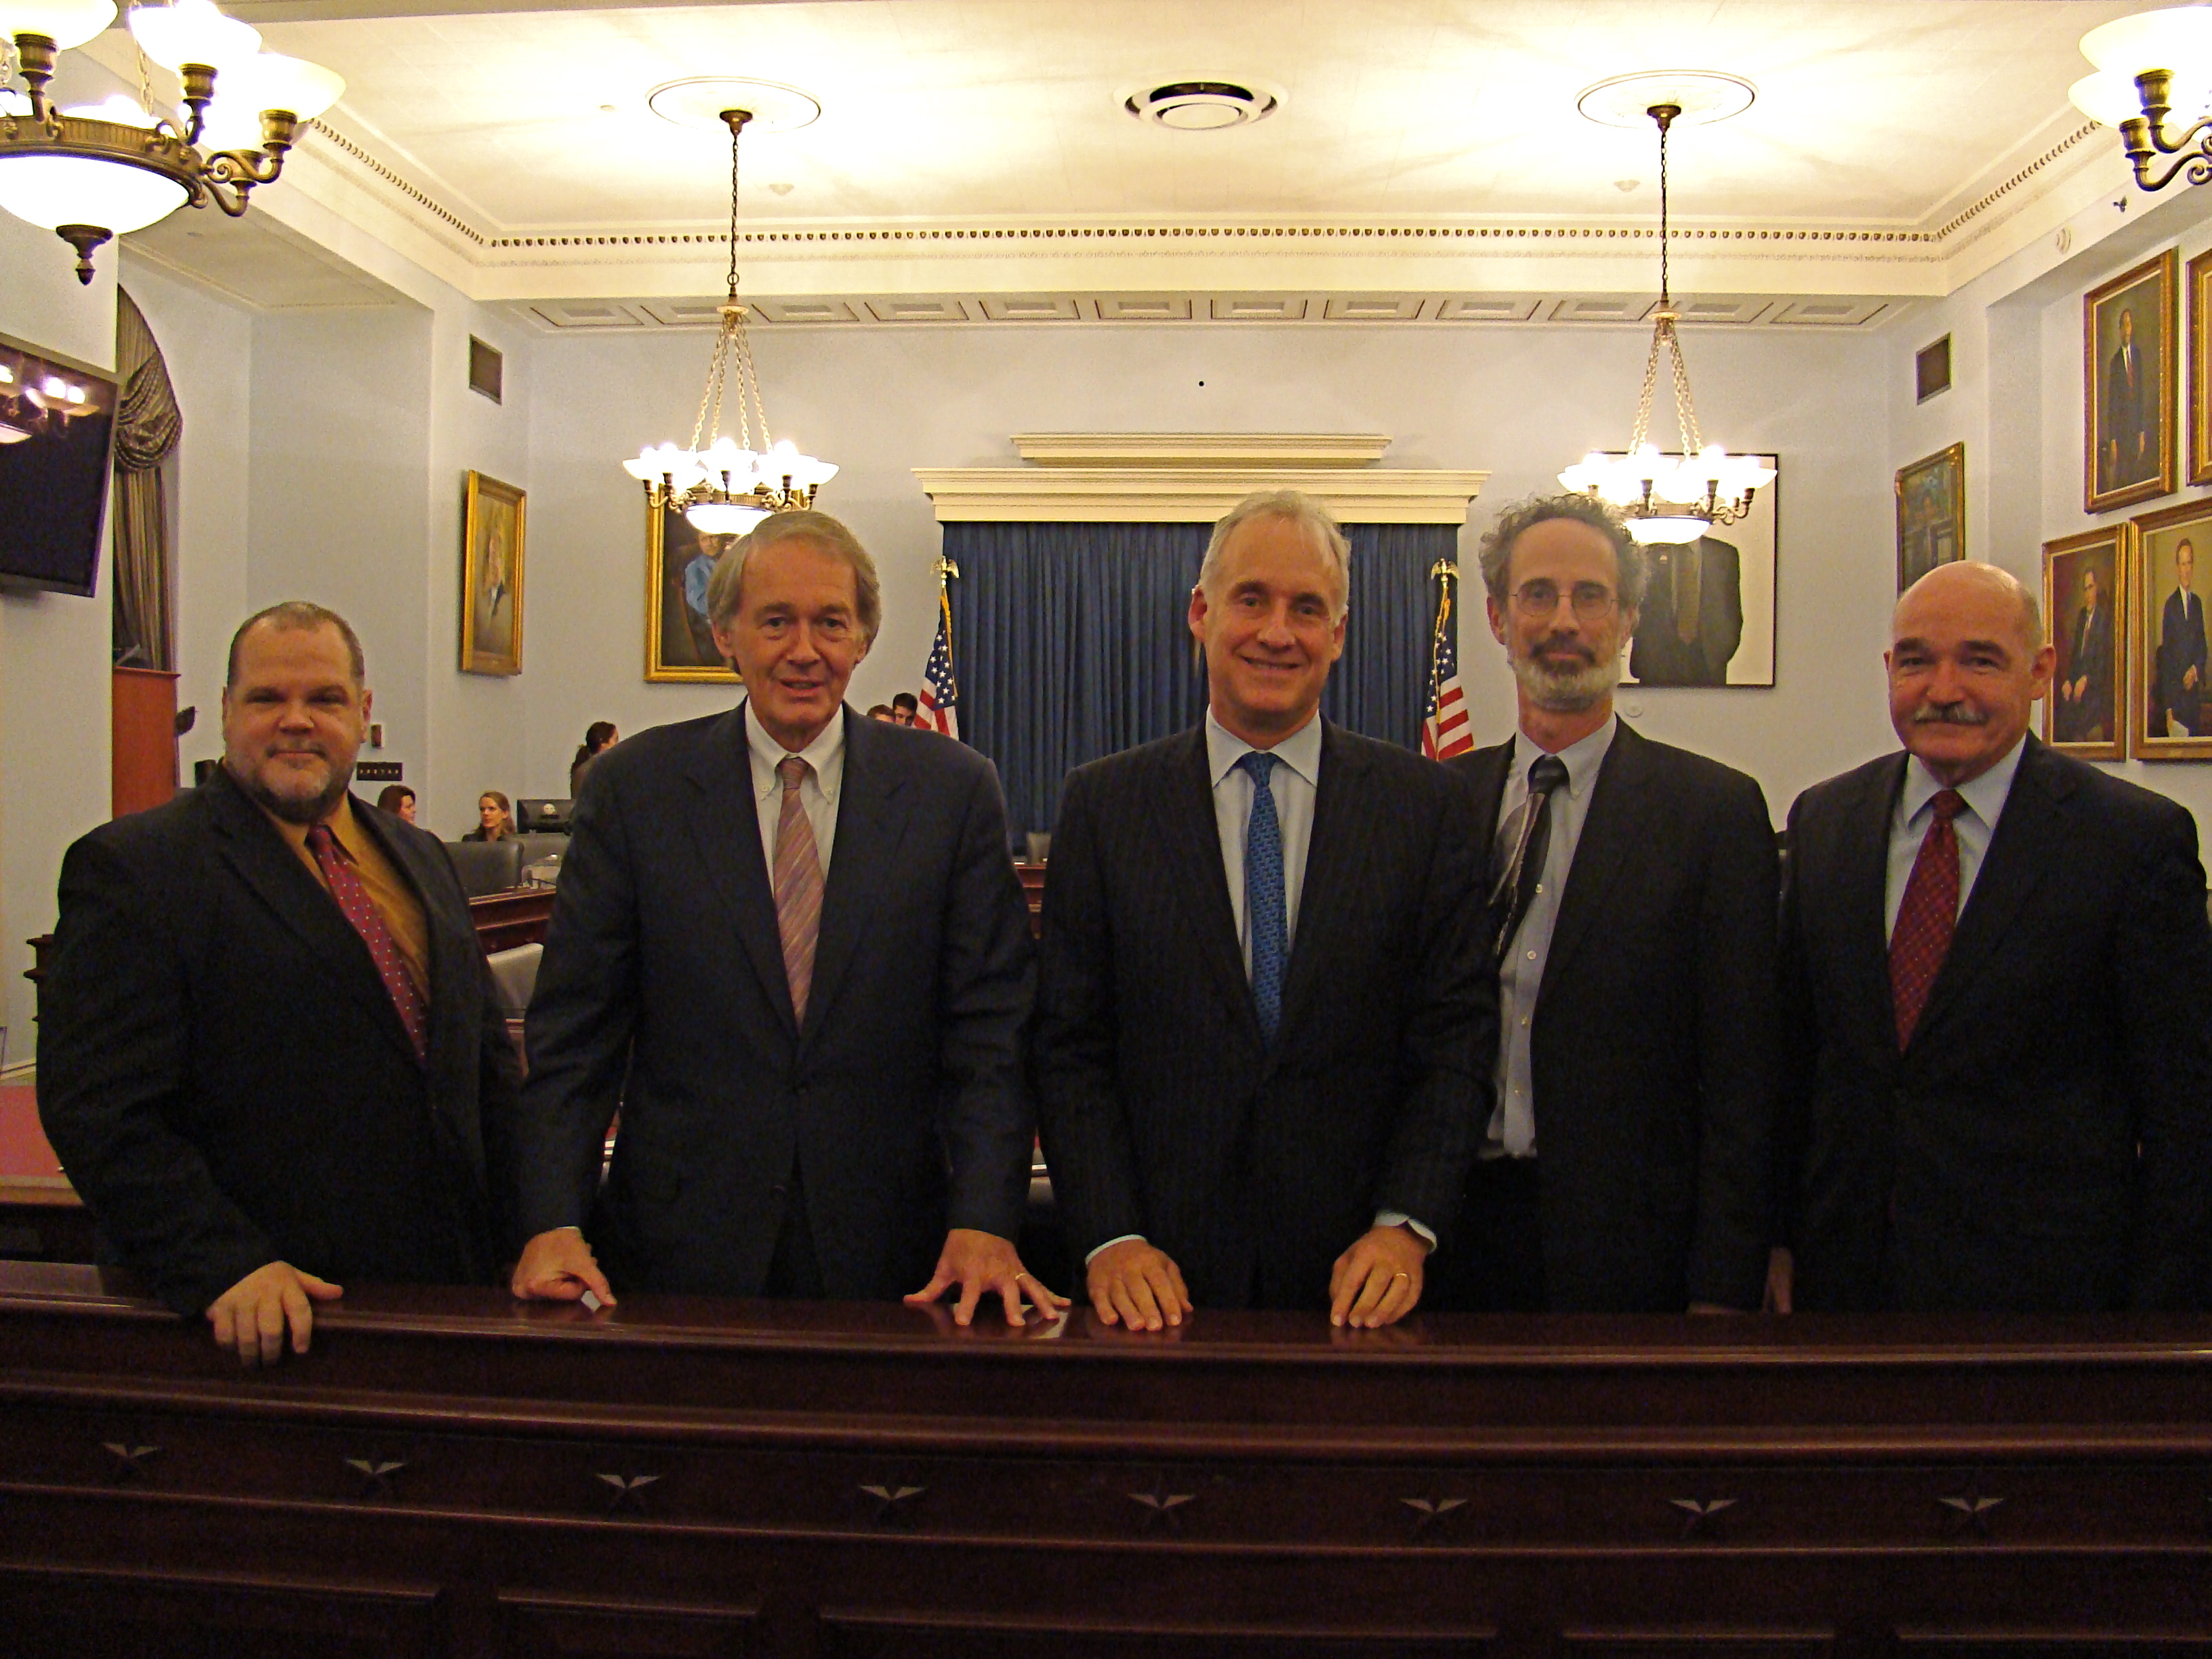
{"points": [[148, 427]]}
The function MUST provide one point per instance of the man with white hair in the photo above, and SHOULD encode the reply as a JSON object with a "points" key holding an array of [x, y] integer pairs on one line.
{"points": [[1262, 1015], [1626, 1167], [1996, 969]]}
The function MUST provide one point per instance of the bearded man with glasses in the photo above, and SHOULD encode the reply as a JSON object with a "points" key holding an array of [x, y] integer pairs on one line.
{"points": [[1632, 896]]}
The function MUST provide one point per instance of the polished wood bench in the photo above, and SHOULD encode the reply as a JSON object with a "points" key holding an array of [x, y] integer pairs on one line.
{"points": [[450, 1472]]}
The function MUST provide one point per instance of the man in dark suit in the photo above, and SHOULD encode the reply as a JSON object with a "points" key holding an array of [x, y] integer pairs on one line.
{"points": [[2179, 712], [269, 1053], [1626, 1165], [2085, 692], [2130, 450], [1262, 1013], [1995, 966], [789, 944], [1692, 621]]}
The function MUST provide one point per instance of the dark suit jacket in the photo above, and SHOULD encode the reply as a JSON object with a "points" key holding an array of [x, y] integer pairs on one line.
{"points": [[2130, 402], [2181, 647], [1659, 655], [224, 1075], [2042, 1143], [2089, 652], [1163, 1111], [1655, 1046], [662, 990]]}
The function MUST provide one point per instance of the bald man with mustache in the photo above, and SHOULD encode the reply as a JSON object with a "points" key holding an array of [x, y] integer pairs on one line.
{"points": [[1995, 966]]}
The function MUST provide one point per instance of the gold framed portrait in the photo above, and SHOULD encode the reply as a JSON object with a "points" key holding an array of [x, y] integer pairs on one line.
{"points": [[680, 563], [491, 577], [2171, 704], [2129, 349], [1931, 514], [2198, 283], [2085, 595]]}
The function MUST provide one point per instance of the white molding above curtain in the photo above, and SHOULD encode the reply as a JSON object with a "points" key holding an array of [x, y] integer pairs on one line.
{"points": [[1185, 477]]}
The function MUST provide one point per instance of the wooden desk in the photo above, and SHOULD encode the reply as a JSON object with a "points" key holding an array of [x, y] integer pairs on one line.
{"points": [[1032, 879], [451, 1473], [516, 916]]}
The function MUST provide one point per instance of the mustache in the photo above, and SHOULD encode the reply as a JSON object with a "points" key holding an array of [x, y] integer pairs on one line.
{"points": [[1948, 714], [1560, 643]]}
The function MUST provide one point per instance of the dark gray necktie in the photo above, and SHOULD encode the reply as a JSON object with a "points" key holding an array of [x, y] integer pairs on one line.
{"points": [[1518, 857]]}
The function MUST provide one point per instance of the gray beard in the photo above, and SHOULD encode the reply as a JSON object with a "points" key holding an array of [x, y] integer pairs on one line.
{"points": [[309, 812], [1569, 693]]}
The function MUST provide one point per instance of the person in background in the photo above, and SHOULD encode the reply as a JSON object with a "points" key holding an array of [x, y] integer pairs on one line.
{"points": [[398, 799], [270, 1051], [495, 817], [882, 712], [598, 737], [906, 709], [1995, 970]]}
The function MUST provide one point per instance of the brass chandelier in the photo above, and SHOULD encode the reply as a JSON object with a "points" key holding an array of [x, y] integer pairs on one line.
{"points": [[2149, 66], [1669, 499], [91, 173], [723, 485]]}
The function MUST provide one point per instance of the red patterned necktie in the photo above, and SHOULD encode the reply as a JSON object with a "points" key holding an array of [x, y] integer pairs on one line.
{"points": [[353, 898], [1925, 920], [798, 880]]}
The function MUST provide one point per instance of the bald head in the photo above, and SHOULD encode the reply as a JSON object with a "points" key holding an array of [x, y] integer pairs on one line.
{"points": [[1967, 662]]}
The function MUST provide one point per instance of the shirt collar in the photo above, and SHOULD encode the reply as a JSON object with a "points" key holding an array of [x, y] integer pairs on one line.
{"points": [[339, 820], [1984, 796], [1300, 751], [829, 746], [1583, 757]]}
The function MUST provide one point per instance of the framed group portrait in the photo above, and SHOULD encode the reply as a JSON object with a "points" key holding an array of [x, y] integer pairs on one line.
{"points": [[1931, 514], [680, 563], [1708, 613], [2169, 704], [2129, 328], [2085, 595], [2198, 283], [491, 577]]}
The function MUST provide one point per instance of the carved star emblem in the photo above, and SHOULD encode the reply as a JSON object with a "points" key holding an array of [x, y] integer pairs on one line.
{"points": [[1430, 1511], [629, 1493], [129, 1461], [1970, 1514], [892, 1500], [1701, 1516], [375, 1476], [1161, 1505]]}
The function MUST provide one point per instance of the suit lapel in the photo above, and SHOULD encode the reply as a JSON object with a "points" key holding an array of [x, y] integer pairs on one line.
{"points": [[1487, 769], [272, 871], [454, 954], [1863, 894], [1333, 853], [725, 828], [1183, 805], [1609, 830], [2011, 868], [871, 824]]}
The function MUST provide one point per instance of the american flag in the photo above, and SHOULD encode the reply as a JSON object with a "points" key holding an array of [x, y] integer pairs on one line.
{"points": [[1444, 730], [940, 698]]}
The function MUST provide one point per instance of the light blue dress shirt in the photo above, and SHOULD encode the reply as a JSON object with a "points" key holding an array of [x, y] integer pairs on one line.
{"points": [[1985, 799], [1512, 1131]]}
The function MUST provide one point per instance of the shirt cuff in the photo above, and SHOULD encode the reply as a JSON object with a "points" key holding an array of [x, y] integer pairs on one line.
{"points": [[1398, 1219], [1123, 1239]]}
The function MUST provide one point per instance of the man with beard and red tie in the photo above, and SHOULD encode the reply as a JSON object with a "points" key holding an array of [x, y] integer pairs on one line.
{"points": [[1996, 965], [1631, 885], [270, 1052]]}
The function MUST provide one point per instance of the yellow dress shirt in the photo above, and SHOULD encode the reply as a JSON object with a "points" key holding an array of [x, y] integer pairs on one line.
{"points": [[388, 890]]}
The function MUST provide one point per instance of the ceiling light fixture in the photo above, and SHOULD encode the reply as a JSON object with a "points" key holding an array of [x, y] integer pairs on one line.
{"points": [[2150, 66], [1203, 106], [90, 174], [724, 486], [1668, 498]]}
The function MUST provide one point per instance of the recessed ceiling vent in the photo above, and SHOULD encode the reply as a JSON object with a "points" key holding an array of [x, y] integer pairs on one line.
{"points": [[1203, 106]]}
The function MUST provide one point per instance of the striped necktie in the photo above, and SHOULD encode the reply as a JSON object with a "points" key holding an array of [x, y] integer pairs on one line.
{"points": [[798, 876], [1264, 912]]}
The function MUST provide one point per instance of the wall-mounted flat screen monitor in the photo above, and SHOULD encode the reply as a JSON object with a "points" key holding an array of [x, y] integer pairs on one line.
{"points": [[57, 428]]}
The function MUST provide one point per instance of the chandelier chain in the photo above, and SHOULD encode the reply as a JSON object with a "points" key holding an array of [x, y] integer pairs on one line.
{"points": [[1666, 299], [736, 129]]}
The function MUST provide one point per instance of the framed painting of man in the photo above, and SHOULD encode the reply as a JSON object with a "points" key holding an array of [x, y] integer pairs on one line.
{"points": [[2199, 286], [680, 560], [2129, 327], [1931, 514], [491, 577], [2085, 586], [2171, 704], [1708, 613]]}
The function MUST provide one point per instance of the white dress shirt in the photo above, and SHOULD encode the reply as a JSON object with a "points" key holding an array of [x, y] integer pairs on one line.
{"points": [[1985, 798], [817, 795], [1293, 784], [1512, 1130]]}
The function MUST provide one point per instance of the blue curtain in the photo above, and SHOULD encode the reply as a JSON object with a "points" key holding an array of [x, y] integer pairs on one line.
{"points": [[1070, 642]]}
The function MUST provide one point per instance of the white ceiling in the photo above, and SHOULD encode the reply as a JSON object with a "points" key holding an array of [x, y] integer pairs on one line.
{"points": [[517, 146]]}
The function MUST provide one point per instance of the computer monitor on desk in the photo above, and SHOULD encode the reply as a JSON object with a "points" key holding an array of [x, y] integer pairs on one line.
{"points": [[543, 817]]}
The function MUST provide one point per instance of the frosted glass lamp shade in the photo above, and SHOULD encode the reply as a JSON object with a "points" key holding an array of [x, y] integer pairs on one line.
{"points": [[65, 22], [116, 108], [191, 32], [49, 191], [2176, 38], [724, 518], [268, 79]]}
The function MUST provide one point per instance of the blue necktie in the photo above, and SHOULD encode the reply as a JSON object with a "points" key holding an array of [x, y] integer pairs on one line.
{"points": [[1264, 911]]}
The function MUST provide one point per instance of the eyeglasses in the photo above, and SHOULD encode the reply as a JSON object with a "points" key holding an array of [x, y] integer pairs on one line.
{"points": [[1591, 600]]}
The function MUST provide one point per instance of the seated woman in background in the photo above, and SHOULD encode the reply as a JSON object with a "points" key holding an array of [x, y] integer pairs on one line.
{"points": [[598, 736], [399, 800], [496, 814]]}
